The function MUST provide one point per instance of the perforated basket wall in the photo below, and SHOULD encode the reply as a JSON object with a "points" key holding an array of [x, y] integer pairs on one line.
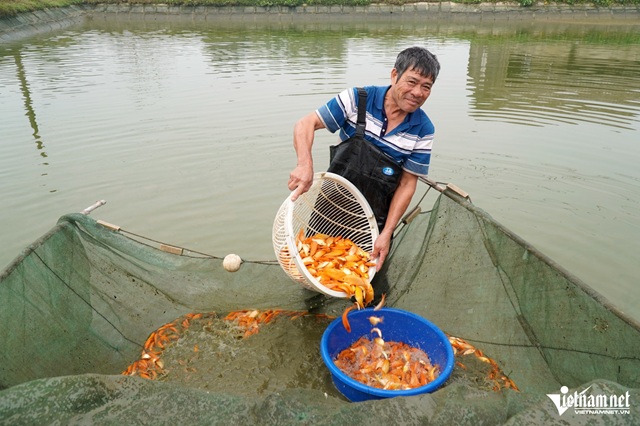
{"points": [[332, 206]]}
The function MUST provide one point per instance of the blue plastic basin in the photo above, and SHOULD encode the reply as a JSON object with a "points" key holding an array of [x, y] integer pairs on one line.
{"points": [[397, 326]]}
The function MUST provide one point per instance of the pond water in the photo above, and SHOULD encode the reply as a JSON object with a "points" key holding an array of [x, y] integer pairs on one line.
{"points": [[184, 128]]}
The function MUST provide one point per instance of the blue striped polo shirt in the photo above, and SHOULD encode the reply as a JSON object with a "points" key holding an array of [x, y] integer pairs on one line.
{"points": [[409, 144]]}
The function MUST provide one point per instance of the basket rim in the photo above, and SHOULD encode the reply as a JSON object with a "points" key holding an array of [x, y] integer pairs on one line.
{"points": [[290, 235]]}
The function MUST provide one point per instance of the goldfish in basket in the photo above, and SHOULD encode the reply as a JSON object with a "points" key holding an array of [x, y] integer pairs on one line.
{"points": [[338, 264]]}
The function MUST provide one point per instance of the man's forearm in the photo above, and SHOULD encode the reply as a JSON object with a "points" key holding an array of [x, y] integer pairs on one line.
{"points": [[303, 135], [400, 201], [302, 143], [301, 178]]}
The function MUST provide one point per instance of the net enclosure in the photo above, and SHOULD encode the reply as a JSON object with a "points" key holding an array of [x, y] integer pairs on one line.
{"points": [[100, 326]]}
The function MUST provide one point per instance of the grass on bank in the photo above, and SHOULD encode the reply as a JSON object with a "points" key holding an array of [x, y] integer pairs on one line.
{"points": [[14, 7]]}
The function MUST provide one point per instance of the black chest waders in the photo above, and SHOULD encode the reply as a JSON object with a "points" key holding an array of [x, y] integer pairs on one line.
{"points": [[375, 175], [373, 172]]}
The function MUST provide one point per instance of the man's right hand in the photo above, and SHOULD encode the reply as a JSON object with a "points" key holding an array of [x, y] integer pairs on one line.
{"points": [[300, 180]]}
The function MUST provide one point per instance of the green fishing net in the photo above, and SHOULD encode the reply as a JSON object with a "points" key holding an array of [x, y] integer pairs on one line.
{"points": [[80, 305]]}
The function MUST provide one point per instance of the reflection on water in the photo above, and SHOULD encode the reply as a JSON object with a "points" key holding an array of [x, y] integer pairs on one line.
{"points": [[185, 128], [30, 113], [541, 82]]}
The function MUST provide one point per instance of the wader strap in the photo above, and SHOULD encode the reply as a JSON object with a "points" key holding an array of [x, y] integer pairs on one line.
{"points": [[374, 173], [362, 112]]}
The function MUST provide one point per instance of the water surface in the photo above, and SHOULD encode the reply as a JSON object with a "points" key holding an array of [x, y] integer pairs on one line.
{"points": [[184, 128]]}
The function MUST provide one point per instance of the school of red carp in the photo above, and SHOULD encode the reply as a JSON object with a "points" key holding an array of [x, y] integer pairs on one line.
{"points": [[150, 364], [386, 365], [340, 265]]}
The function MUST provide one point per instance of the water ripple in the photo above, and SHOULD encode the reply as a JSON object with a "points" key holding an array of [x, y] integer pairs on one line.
{"points": [[532, 84], [185, 129]]}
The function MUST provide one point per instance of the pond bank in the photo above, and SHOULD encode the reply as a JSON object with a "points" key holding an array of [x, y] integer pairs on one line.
{"points": [[50, 19]]}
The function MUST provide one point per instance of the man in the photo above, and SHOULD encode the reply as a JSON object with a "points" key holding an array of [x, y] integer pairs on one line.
{"points": [[397, 131]]}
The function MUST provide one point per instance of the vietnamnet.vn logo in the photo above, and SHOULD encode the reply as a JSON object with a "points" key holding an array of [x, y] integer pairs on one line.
{"points": [[590, 404]]}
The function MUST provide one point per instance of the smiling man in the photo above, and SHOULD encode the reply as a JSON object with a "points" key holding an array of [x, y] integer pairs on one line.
{"points": [[384, 155]]}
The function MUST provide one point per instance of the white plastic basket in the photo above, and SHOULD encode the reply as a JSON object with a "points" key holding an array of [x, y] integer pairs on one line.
{"points": [[332, 206]]}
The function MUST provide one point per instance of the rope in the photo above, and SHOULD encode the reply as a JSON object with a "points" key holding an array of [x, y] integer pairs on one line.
{"points": [[430, 184], [206, 255]]}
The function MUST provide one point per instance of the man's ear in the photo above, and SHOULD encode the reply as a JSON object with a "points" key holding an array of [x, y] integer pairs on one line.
{"points": [[394, 76]]}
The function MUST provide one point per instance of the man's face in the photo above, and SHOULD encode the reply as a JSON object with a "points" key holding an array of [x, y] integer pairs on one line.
{"points": [[411, 90]]}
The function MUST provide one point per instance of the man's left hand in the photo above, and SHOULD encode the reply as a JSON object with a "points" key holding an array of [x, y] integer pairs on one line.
{"points": [[381, 249]]}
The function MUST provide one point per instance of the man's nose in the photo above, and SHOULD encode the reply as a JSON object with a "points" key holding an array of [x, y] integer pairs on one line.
{"points": [[418, 92]]}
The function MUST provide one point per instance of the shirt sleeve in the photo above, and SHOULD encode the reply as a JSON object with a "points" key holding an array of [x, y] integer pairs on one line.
{"points": [[340, 110], [418, 161]]}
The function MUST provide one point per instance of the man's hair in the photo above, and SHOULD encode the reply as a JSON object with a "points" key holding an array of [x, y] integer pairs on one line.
{"points": [[417, 59]]}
